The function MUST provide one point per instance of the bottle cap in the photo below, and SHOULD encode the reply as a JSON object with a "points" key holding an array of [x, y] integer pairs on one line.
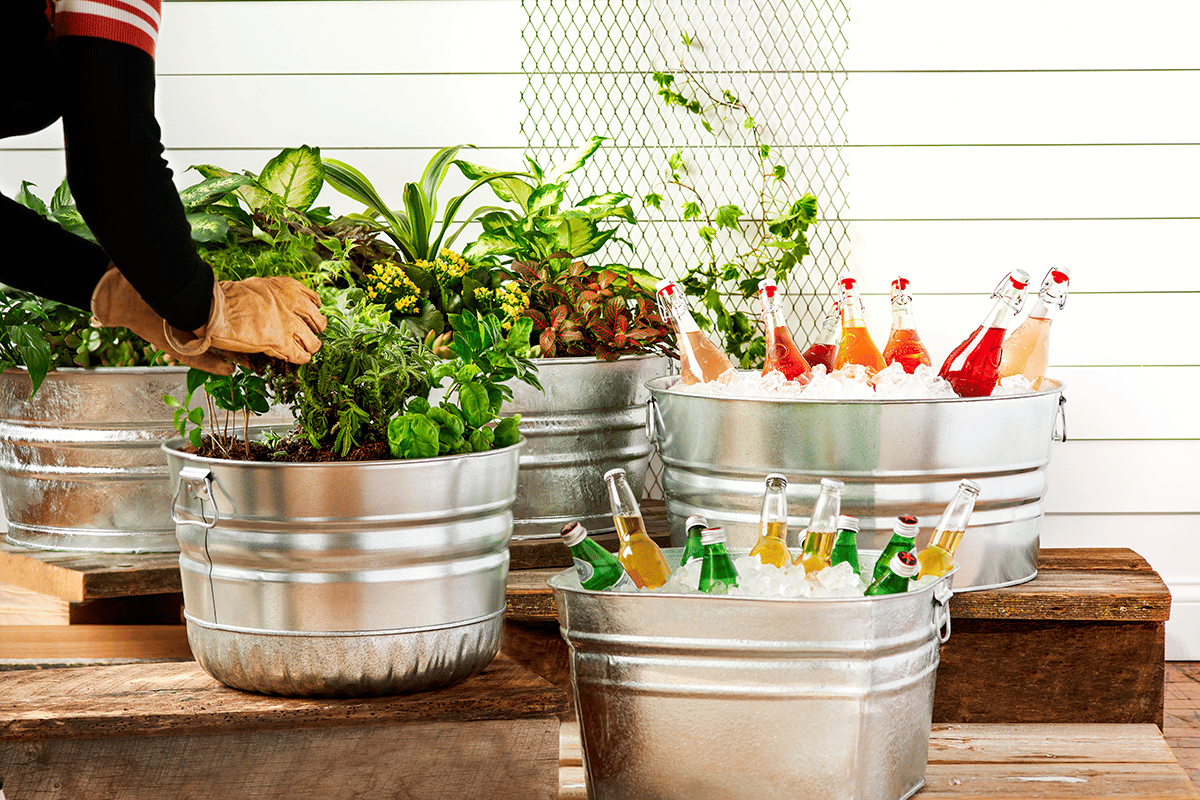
{"points": [[970, 485], [906, 525], [612, 472], [904, 564], [769, 286], [1019, 278], [830, 483], [695, 521], [665, 287], [712, 536], [847, 523], [573, 533], [848, 281], [777, 476], [901, 283], [1060, 274]]}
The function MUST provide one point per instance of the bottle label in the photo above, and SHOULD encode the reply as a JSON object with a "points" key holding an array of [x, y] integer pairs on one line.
{"points": [[624, 583], [585, 570]]}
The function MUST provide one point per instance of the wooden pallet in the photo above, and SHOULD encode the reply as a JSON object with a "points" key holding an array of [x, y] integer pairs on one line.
{"points": [[980, 760], [168, 730]]}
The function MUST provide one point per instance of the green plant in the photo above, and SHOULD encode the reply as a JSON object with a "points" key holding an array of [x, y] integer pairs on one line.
{"points": [[239, 395], [541, 229], [767, 240], [585, 310]]}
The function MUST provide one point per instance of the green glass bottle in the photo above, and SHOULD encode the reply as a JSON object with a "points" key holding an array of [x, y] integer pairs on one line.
{"points": [[846, 546], [904, 536], [692, 548], [896, 576], [598, 569], [718, 573]]}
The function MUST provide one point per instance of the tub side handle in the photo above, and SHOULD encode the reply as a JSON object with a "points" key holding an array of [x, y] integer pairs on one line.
{"points": [[941, 610], [651, 428], [1060, 434], [198, 482]]}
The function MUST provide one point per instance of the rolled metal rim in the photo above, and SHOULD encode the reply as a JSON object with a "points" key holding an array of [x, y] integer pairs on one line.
{"points": [[665, 383], [176, 447]]}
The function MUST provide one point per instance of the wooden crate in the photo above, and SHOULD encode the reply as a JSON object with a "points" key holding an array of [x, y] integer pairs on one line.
{"points": [[170, 731]]}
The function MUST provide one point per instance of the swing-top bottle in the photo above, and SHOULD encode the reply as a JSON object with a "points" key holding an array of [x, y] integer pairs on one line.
{"points": [[973, 368], [822, 527], [782, 354], [1027, 348], [700, 359], [639, 555], [824, 347], [771, 547], [856, 345], [904, 344], [937, 558]]}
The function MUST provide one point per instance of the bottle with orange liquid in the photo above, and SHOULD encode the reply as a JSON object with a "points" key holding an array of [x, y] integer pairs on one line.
{"points": [[822, 527], [700, 359], [937, 558], [771, 547], [824, 348], [782, 354], [973, 368], [642, 559], [904, 344], [1027, 348], [856, 345]]}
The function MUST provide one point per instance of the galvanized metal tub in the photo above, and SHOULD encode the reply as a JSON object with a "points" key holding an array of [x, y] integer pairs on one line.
{"points": [[80, 467], [344, 578], [590, 419], [687, 696], [895, 457]]}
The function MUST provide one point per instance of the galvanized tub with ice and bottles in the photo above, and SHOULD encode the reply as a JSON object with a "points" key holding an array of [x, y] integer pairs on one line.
{"points": [[691, 696], [343, 578], [894, 456]]}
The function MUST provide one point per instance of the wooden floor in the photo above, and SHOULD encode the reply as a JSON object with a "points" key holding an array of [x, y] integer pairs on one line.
{"points": [[1181, 725]]}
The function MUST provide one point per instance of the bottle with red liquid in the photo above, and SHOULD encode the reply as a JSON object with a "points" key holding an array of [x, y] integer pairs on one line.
{"points": [[1027, 348], [700, 359], [973, 368], [782, 354], [824, 348], [856, 345], [904, 344]]}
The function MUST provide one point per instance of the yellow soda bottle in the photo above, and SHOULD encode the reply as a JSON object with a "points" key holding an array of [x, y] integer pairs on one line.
{"points": [[771, 547], [938, 556], [822, 527], [642, 559]]}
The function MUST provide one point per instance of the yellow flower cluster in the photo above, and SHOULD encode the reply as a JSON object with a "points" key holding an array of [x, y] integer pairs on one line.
{"points": [[448, 266], [388, 285], [509, 297]]}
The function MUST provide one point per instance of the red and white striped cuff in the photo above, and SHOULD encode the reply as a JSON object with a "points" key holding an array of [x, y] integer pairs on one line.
{"points": [[133, 22]]}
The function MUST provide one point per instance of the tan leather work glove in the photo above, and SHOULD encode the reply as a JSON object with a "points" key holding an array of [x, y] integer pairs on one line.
{"points": [[279, 317], [116, 304]]}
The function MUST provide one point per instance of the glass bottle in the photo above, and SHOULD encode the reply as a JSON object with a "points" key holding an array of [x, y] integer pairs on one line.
{"points": [[973, 368], [822, 527], [856, 345], [904, 536], [938, 556], [598, 569], [692, 548], [718, 573], [897, 574], [904, 344], [1027, 348], [824, 348], [700, 359], [782, 353], [771, 547], [639, 555], [845, 547]]}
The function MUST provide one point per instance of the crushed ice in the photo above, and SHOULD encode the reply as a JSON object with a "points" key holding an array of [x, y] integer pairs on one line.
{"points": [[756, 579]]}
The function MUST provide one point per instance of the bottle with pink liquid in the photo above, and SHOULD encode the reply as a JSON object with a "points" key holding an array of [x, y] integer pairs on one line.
{"points": [[1027, 348]]}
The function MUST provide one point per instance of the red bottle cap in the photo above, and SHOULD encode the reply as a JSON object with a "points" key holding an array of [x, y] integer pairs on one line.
{"points": [[665, 288], [1060, 275], [901, 283], [848, 282], [768, 288], [1018, 281]]}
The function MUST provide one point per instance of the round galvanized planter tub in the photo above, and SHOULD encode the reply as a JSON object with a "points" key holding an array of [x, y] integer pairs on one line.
{"points": [[895, 457], [344, 578], [687, 696], [80, 466], [590, 419]]}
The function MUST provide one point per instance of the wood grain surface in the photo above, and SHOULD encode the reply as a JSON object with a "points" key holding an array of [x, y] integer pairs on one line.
{"points": [[77, 577]]}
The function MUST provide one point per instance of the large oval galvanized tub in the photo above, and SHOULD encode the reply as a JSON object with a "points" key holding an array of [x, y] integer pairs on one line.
{"points": [[589, 419], [80, 465], [344, 578], [894, 456], [690, 696]]}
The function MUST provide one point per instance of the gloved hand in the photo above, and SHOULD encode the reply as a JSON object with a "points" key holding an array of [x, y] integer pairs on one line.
{"points": [[279, 317], [116, 304]]}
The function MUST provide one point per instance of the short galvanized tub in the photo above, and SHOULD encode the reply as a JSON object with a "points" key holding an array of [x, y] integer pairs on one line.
{"points": [[80, 466], [344, 578], [590, 419], [687, 696], [895, 457]]}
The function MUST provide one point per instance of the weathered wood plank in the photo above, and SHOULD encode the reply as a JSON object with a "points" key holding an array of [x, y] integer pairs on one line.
{"points": [[57, 643], [1042, 743], [179, 698], [76, 577], [1057, 782]]}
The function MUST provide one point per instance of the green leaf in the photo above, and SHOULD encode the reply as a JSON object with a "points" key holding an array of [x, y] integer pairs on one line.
{"points": [[764, 150], [420, 218], [211, 189], [72, 221], [546, 198], [435, 173], [580, 156], [707, 234], [196, 379], [208, 227], [352, 183], [413, 436], [296, 175], [779, 171], [481, 439], [691, 210], [491, 244], [507, 431], [510, 189], [35, 351], [418, 405], [687, 40], [29, 200], [727, 216], [62, 196], [475, 404], [653, 200], [748, 123]]}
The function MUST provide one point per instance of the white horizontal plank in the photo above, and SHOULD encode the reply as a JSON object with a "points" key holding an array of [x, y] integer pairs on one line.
{"points": [[1157, 537], [1131, 402], [251, 111], [1023, 34], [1022, 107], [1022, 182], [315, 37], [1157, 478]]}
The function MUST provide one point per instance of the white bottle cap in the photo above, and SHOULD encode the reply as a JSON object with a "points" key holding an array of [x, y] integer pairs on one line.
{"points": [[693, 521], [832, 484], [573, 533], [906, 525], [847, 523], [712, 536], [612, 472], [905, 567]]}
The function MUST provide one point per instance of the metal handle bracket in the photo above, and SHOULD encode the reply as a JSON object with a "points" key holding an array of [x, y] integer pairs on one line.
{"points": [[941, 609], [198, 482]]}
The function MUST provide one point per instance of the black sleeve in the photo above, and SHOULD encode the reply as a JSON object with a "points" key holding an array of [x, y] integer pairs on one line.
{"points": [[120, 180]]}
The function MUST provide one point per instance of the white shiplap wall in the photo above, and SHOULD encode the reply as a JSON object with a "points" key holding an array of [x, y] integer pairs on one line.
{"points": [[981, 137]]}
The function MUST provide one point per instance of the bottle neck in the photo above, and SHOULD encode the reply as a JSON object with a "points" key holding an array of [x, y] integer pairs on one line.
{"points": [[902, 316], [829, 333], [825, 512], [1042, 309], [1008, 302], [852, 309]]}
